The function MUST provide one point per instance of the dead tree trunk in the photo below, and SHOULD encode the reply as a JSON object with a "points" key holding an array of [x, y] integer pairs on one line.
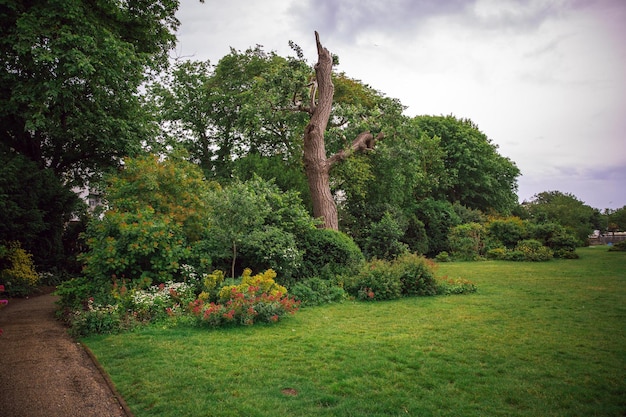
{"points": [[316, 164]]}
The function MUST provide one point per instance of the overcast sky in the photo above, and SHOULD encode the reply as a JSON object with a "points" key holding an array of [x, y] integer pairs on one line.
{"points": [[545, 80]]}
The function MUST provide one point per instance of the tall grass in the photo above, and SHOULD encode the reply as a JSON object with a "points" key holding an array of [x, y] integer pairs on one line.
{"points": [[538, 339]]}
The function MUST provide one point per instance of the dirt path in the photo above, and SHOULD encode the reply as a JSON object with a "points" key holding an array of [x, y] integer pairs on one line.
{"points": [[43, 372]]}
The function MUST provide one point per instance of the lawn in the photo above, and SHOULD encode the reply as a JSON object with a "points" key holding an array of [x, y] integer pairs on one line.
{"points": [[537, 339]]}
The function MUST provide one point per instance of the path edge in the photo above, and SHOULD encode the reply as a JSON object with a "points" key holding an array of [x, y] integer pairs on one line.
{"points": [[108, 381]]}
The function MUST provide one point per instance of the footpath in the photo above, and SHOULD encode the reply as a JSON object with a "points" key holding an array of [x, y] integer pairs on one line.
{"points": [[43, 372]]}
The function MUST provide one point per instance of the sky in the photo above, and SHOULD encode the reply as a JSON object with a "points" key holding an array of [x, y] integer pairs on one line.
{"points": [[545, 80]]}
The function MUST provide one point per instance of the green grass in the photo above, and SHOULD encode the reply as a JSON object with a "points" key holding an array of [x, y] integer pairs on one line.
{"points": [[537, 339]]}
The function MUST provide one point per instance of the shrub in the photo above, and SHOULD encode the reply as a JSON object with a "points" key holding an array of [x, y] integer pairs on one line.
{"points": [[443, 257], [258, 284], [316, 291], [160, 301], [466, 241], [507, 231], [618, 247], [18, 276], [417, 275], [533, 250], [449, 286], [328, 253], [497, 253], [136, 245], [74, 294], [95, 319], [378, 280], [271, 247], [384, 237], [257, 299]]}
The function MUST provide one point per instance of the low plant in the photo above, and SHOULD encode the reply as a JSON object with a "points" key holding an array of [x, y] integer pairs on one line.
{"points": [[443, 257], [378, 280], [533, 250], [257, 299], [449, 286], [317, 291], [618, 247], [417, 275], [408, 275], [95, 319], [160, 301], [19, 276], [497, 253]]}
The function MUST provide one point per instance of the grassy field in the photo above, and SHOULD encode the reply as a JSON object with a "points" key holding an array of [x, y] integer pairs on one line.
{"points": [[537, 339]]}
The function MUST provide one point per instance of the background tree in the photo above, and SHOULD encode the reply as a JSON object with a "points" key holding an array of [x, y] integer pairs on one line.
{"points": [[566, 210], [69, 78], [477, 176]]}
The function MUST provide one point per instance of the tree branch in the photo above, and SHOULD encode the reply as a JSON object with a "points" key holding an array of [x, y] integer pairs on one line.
{"points": [[364, 142]]}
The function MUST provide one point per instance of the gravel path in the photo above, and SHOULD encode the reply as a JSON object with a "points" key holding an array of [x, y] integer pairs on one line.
{"points": [[43, 372]]}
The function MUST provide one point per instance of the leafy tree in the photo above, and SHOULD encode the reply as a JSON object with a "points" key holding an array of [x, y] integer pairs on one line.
{"points": [[34, 208], [70, 74], [566, 210], [259, 222], [616, 219], [157, 213], [258, 104], [438, 218], [477, 176]]}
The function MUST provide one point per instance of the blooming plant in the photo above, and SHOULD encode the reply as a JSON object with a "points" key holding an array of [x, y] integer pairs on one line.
{"points": [[257, 299], [160, 300]]}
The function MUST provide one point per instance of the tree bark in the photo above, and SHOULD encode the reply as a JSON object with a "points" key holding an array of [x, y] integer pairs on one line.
{"points": [[315, 162]]}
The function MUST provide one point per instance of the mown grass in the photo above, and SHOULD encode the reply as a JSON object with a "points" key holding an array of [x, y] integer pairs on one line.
{"points": [[538, 339]]}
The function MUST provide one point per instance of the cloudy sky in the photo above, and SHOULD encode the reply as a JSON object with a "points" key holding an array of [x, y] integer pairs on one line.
{"points": [[545, 80]]}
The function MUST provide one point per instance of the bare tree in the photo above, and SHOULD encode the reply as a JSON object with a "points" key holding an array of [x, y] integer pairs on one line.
{"points": [[317, 165]]}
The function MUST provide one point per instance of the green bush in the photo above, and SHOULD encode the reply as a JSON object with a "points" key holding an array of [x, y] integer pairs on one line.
{"points": [[417, 275], [507, 231], [467, 241], [271, 247], [95, 319], [496, 253], [18, 271], [317, 291], [384, 237], [408, 275], [136, 245], [74, 294], [377, 280], [328, 253], [533, 250], [449, 286], [618, 247], [443, 257]]}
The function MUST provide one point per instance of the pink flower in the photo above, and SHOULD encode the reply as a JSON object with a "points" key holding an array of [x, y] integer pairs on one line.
{"points": [[4, 302], [1, 288]]}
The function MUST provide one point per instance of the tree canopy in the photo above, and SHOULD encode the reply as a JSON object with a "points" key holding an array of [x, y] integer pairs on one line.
{"points": [[70, 74]]}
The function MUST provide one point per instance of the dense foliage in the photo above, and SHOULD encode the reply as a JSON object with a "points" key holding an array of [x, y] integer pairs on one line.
{"points": [[70, 107]]}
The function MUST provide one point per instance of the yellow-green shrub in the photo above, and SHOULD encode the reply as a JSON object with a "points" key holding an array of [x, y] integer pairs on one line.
{"points": [[19, 277], [262, 283]]}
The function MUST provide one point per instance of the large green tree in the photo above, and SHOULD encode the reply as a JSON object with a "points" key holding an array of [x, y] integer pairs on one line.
{"points": [[257, 104], [565, 209], [70, 73], [477, 176]]}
